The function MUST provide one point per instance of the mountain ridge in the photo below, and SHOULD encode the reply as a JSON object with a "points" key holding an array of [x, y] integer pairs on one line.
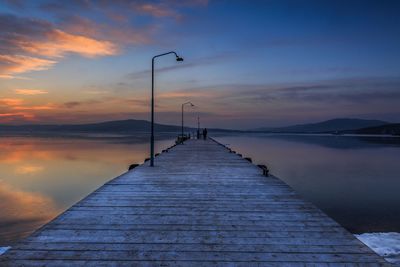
{"points": [[327, 126], [339, 125], [118, 126]]}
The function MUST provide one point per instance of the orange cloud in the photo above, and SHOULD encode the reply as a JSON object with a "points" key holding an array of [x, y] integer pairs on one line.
{"points": [[30, 92], [26, 41], [15, 64], [18, 104], [185, 94], [40, 107], [16, 116], [11, 101], [12, 115], [58, 43], [17, 111]]}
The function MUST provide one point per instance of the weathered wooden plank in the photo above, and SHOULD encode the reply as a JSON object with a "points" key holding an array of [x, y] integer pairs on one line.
{"points": [[194, 256], [196, 221], [359, 249], [150, 234], [200, 206], [202, 263]]}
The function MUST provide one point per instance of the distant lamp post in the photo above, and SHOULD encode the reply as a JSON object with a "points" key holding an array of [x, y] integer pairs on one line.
{"points": [[184, 104], [178, 58]]}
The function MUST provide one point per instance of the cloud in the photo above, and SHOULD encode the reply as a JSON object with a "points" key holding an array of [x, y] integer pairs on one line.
{"points": [[184, 94], [15, 110], [16, 64], [122, 33], [350, 91], [72, 104], [87, 28], [30, 92], [11, 101], [166, 8], [18, 104], [362, 90], [28, 44], [58, 43], [13, 117], [37, 107], [204, 61], [157, 10]]}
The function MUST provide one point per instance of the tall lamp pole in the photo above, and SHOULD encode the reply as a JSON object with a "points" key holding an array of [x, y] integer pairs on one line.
{"points": [[186, 103], [178, 58]]}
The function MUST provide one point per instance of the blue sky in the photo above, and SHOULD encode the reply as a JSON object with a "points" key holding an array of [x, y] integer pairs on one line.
{"points": [[247, 63]]}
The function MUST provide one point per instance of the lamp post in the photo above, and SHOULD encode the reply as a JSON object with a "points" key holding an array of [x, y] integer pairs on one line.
{"points": [[178, 58], [186, 103]]}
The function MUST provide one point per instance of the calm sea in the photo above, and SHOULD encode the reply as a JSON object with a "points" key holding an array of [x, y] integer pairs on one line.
{"points": [[355, 180]]}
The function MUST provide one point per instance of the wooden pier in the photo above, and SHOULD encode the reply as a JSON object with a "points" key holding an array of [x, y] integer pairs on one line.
{"points": [[201, 205]]}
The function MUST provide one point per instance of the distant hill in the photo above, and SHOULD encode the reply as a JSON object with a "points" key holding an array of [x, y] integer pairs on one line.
{"points": [[333, 125], [391, 128], [121, 127], [108, 127]]}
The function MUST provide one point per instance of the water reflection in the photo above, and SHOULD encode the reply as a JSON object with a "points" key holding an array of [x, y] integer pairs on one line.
{"points": [[22, 212], [40, 177], [355, 180]]}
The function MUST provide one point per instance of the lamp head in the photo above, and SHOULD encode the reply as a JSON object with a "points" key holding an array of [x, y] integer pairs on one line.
{"points": [[179, 58]]}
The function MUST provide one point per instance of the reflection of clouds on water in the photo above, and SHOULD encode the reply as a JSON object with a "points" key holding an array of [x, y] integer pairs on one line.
{"points": [[15, 151], [60, 171], [29, 169], [20, 207]]}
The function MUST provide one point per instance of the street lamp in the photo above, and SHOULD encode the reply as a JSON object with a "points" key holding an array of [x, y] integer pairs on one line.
{"points": [[178, 58], [186, 103]]}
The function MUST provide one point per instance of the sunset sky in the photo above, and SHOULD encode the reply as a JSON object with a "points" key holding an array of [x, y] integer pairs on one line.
{"points": [[247, 63]]}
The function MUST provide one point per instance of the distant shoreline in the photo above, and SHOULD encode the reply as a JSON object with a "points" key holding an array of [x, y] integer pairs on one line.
{"points": [[141, 134]]}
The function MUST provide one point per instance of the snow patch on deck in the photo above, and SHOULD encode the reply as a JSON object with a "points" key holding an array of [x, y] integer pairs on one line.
{"points": [[385, 244], [4, 249]]}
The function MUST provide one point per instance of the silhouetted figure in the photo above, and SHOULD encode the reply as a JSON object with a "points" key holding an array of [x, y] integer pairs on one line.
{"points": [[205, 133], [198, 133]]}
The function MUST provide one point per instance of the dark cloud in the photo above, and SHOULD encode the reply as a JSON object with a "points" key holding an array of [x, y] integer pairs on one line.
{"points": [[15, 31], [153, 8], [182, 65], [361, 90], [72, 104]]}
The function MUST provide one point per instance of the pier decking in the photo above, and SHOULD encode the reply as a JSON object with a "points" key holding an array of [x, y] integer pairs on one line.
{"points": [[199, 206]]}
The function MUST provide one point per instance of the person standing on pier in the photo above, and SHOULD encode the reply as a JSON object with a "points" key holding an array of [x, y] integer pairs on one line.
{"points": [[205, 133]]}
